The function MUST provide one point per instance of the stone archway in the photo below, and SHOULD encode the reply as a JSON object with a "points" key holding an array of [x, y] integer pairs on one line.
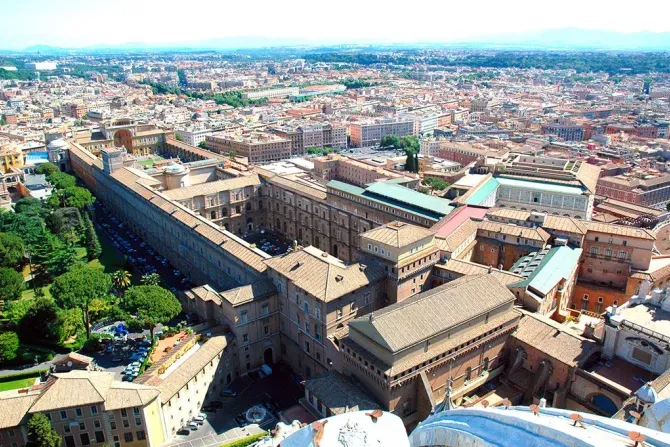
{"points": [[268, 356]]}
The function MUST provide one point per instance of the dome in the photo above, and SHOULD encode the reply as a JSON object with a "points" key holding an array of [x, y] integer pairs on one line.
{"points": [[647, 394], [174, 168], [657, 416], [57, 144]]}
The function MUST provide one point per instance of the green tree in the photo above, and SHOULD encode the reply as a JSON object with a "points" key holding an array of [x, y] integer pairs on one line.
{"points": [[202, 145], [11, 250], [78, 197], [41, 433], [178, 137], [93, 247], [41, 321], [64, 221], [152, 305], [9, 346], [69, 324], [11, 284], [30, 206], [121, 280], [409, 161], [47, 169], [53, 255], [16, 311], [61, 180], [78, 288], [151, 279]]}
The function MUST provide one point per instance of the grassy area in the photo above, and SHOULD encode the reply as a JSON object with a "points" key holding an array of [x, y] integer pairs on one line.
{"points": [[17, 384], [149, 162], [30, 294], [246, 441]]}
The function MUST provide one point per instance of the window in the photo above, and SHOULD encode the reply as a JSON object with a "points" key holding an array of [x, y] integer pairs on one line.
{"points": [[608, 252], [265, 309], [485, 364], [128, 437], [99, 437], [66, 428], [305, 306], [141, 436], [138, 421], [641, 356], [112, 424], [468, 374], [243, 317], [94, 410], [339, 313], [126, 424], [317, 312], [266, 329], [63, 415], [85, 440], [594, 251], [245, 338], [96, 423], [307, 347], [353, 307], [367, 296], [82, 425], [78, 412], [124, 413], [136, 411], [622, 254]]}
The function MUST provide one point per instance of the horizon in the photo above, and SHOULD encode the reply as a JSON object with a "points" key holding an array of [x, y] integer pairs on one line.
{"points": [[77, 24]]}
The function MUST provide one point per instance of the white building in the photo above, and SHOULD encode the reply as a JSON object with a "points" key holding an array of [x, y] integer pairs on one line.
{"points": [[193, 137], [41, 65]]}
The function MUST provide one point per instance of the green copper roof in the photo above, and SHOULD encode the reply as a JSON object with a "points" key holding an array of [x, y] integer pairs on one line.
{"points": [[544, 269], [483, 192], [400, 197]]}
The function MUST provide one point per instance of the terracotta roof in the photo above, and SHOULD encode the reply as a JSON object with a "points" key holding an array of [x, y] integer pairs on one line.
{"points": [[550, 338], [215, 187], [339, 393], [465, 268], [323, 275], [415, 319], [621, 230], [537, 234], [204, 293], [126, 395], [250, 292], [565, 224], [14, 407], [74, 389], [397, 234], [588, 174], [460, 234]]}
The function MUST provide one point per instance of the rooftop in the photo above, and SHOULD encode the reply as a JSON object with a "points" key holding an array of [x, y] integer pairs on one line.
{"points": [[397, 234], [546, 268]]}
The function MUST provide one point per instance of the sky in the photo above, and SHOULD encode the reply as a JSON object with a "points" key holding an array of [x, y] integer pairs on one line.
{"points": [[82, 23]]}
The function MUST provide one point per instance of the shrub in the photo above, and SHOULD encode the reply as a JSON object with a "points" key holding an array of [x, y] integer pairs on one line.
{"points": [[246, 441]]}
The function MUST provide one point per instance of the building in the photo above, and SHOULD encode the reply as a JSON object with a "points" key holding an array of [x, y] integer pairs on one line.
{"points": [[318, 296], [356, 172], [371, 133], [305, 135], [86, 408], [257, 147], [41, 66], [564, 130], [408, 354], [193, 137], [271, 93], [502, 245], [650, 191]]}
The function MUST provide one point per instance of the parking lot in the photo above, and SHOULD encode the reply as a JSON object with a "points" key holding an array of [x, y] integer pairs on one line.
{"points": [[142, 258], [277, 391], [268, 241]]}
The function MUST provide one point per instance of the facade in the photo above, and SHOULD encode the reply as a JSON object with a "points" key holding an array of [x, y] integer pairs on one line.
{"points": [[305, 135], [565, 130], [501, 245], [359, 173], [653, 192], [271, 93], [192, 136], [370, 134], [257, 147], [451, 336]]}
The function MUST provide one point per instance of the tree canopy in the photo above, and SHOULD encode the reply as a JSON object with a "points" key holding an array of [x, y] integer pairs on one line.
{"points": [[79, 288], [9, 346], [152, 305], [11, 284], [41, 321], [41, 433], [11, 250], [47, 169]]}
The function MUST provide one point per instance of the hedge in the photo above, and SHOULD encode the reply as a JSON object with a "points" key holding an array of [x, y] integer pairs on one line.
{"points": [[23, 375], [246, 441]]}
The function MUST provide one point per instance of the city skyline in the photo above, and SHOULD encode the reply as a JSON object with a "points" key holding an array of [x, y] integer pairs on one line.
{"points": [[276, 25]]}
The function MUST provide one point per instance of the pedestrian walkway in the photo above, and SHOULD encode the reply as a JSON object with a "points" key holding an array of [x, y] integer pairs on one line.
{"points": [[218, 440]]}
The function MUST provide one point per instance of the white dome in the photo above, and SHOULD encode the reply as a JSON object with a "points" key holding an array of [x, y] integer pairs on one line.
{"points": [[657, 416], [57, 144], [647, 394]]}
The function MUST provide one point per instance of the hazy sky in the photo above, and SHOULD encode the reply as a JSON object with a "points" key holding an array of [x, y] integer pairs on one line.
{"points": [[77, 23]]}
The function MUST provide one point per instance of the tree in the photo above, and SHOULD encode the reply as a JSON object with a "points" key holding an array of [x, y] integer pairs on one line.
{"points": [[63, 221], [16, 312], [9, 346], [53, 255], [61, 180], [69, 324], [178, 137], [11, 250], [151, 279], [47, 169], [78, 288], [41, 433], [78, 197], [121, 280], [93, 247], [409, 161], [152, 305], [202, 145], [11, 284], [41, 321], [29, 205]]}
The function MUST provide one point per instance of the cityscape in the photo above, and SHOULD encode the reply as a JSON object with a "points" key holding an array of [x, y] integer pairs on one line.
{"points": [[438, 240]]}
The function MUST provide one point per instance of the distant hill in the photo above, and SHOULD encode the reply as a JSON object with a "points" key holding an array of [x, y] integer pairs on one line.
{"points": [[551, 39]]}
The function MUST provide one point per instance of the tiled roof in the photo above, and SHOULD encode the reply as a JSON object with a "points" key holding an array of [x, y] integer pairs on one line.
{"points": [[397, 234], [537, 234], [621, 230], [250, 292], [323, 275], [14, 408], [74, 389], [339, 393], [126, 395], [466, 268], [208, 188], [461, 234], [548, 337], [415, 319]]}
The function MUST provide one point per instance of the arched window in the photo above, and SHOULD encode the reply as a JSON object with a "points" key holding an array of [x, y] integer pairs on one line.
{"points": [[224, 212], [468, 374], [212, 215], [237, 210], [485, 364], [604, 404]]}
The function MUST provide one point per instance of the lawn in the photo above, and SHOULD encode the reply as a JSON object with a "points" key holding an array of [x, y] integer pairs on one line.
{"points": [[30, 293], [17, 384], [150, 161]]}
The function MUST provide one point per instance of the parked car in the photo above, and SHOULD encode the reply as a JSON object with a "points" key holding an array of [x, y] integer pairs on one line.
{"points": [[202, 415], [228, 393], [192, 426], [199, 420], [184, 432]]}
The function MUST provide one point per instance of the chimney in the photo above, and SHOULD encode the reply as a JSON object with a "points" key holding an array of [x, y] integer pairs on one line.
{"points": [[490, 268], [362, 267], [295, 245], [500, 267], [372, 317]]}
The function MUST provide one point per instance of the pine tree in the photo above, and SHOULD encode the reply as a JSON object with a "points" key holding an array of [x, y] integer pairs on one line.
{"points": [[93, 247]]}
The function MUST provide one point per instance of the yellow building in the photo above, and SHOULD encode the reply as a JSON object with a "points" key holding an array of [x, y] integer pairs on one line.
{"points": [[11, 157]]}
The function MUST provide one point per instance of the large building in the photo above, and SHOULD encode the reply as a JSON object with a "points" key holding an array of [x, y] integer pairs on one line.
{"points": [[308, 134], [370, 133], [257, 147]]}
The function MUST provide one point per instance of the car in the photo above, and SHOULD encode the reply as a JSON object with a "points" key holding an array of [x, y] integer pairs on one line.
{"points": [[184, 432], [202, 415], [209, 409], [192, 426], [109, 348], [228, 393], [199, 420], [135, 364]]}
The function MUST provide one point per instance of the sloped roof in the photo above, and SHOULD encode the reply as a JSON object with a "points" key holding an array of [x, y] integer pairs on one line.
{"points": [[250, 292], [126, 395], [622, 230], [75, 388], [339, 393], [323, 275], [427, 314], [548, 337], [544, 269], [212, 187], [397, 234], [14, 408], [537, 234], [462, 267]]}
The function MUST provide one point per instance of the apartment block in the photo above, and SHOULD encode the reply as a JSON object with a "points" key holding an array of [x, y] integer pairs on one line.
{"points": [[370, 134], [257, 147]]}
